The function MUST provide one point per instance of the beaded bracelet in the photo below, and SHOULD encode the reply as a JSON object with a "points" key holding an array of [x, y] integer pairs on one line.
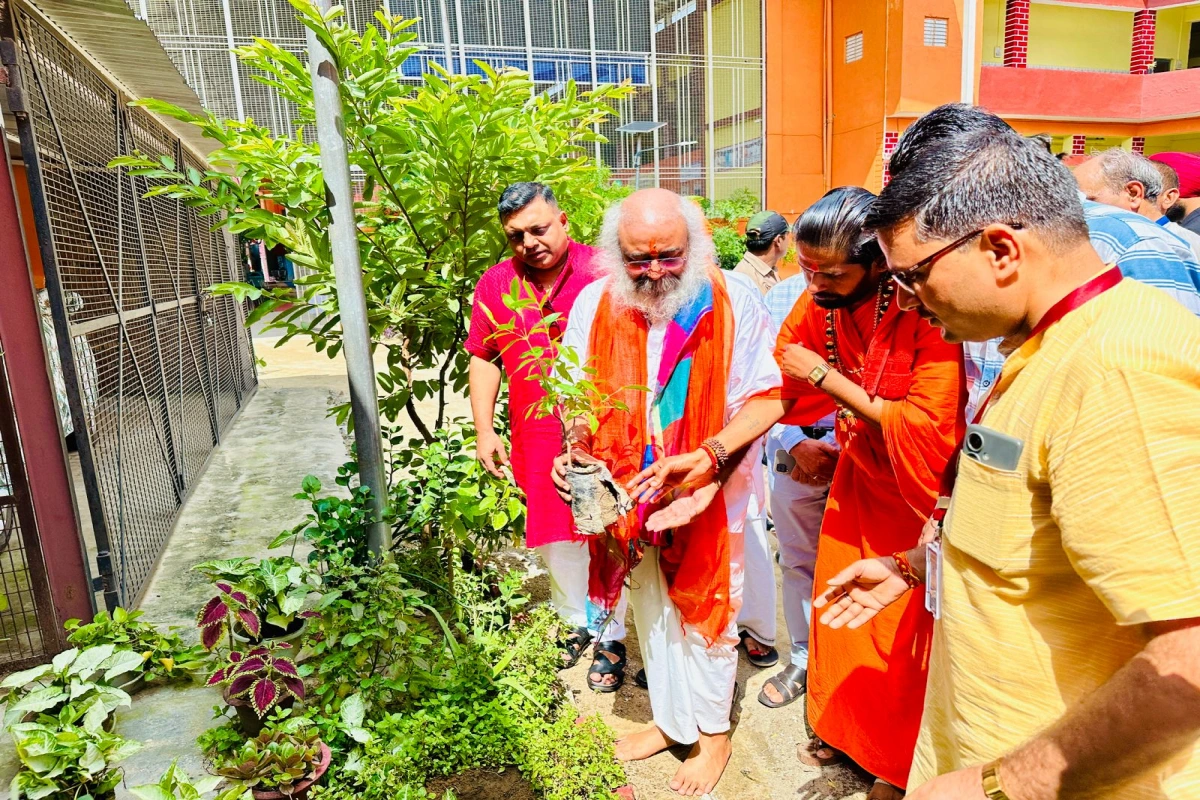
{"points": [[906, 569], [717, 451]]}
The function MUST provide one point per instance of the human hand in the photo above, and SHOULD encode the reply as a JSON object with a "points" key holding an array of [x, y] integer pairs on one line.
{"points": [[860, 591], [489, 451], [798, 361], [692, 469], [964, 784], [815, 462], [683, 510], [559, 473], [930, 532]]}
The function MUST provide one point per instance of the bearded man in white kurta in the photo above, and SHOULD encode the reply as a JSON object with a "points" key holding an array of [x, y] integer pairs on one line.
{"points": [[701, 341]]}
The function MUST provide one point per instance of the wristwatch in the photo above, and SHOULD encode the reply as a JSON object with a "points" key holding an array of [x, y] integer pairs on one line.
{"points": [[818, 373], [991, 781]]}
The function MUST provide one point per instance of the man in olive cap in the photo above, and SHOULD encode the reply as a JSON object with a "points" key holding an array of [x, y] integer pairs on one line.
{"points": [[766, 245]]}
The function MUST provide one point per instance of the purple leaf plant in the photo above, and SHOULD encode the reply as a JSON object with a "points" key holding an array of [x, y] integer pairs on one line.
{"points": [[261, 676], [217, 615]]}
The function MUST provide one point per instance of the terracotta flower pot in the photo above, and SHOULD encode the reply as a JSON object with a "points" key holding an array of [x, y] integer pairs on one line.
{"points": [[300, 790]]}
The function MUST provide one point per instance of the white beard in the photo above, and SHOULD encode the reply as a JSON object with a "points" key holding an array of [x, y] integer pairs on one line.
{"points": [[659, 301]]}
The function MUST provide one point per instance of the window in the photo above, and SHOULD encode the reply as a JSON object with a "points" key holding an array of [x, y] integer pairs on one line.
{"points": [[854, 47], [1162, 65], [935, 32]]}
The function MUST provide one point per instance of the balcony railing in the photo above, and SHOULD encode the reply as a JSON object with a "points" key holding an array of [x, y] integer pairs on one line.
{"points": [[1081, 95]]}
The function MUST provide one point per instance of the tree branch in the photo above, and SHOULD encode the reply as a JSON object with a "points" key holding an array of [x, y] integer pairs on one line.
{"points": [[411, 408]]}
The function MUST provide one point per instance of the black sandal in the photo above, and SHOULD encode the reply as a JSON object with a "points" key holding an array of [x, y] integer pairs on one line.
{"points": [[767, 658], [641, 680], [791, 683], [603, 665], [573, 646]]}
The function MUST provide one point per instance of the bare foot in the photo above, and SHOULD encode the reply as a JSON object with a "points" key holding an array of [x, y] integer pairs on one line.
{"points": [[704, 765], [642, 744]]}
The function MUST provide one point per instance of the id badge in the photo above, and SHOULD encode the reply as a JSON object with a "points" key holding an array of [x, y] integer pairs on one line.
{"points": [[933, 578]]}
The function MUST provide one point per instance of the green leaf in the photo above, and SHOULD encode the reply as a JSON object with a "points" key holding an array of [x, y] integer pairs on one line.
{"points": [[120, 662]]}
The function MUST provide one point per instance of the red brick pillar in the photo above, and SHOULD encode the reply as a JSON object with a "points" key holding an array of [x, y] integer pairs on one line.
{"points": [[1141, 55], [1078, 145], [1139, 145], [890, 140], [1016, 33]]}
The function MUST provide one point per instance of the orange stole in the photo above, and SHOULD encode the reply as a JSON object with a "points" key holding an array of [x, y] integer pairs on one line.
{"points": [[696, 562], [866, 688]]}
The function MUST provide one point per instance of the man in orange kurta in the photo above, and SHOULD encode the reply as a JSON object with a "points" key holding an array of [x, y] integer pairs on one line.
{"points": [[866, 686]]}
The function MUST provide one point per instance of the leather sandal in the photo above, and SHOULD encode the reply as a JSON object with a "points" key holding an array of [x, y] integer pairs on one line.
{"points": [[603, 665], [640, 679], [790, 683], [807, 753], [882, 790], [573, 646]]}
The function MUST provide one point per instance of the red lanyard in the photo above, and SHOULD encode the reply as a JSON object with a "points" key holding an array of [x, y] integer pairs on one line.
{"points": [[1077, 298]]}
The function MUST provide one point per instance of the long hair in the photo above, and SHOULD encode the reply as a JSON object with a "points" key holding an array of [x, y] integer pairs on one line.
{"points": [[834, 224]]}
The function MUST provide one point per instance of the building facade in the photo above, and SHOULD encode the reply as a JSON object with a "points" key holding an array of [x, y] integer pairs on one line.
{"points": [[846, 77], [696, 67]]}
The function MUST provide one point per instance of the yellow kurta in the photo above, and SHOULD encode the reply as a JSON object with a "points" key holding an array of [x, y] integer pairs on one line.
{"points": [[1051, 569]]}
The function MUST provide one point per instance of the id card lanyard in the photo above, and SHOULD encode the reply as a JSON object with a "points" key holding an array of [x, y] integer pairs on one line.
{"points": [[933, 554]]}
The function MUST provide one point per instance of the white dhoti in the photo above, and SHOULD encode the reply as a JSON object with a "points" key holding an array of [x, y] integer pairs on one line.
{"points": [[567, 565], [691, 683]]}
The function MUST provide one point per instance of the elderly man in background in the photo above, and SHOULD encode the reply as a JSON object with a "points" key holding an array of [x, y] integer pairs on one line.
{"points": [[1131, 182], [551, 268], [1066, 659], [1186, 210], [666, 318]]}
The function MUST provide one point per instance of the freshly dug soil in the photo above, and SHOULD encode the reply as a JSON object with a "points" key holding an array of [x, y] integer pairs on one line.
{"points": [[484, 784], [596, 499]]}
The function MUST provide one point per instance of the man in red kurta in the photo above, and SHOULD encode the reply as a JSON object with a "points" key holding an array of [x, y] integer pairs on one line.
{"points": [[552, 269], [898, 389]]}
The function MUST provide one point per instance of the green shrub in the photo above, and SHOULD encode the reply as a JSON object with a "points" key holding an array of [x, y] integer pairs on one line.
{"points": [[730, 246]]}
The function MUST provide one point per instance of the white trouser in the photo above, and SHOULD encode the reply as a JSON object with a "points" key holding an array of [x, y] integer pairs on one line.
{"points": [[567, 564], [757, 616], [797, 509], [691, 684]]}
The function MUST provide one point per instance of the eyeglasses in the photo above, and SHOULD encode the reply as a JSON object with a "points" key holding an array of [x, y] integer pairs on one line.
{"points": [[907, 278], [666, 264]]}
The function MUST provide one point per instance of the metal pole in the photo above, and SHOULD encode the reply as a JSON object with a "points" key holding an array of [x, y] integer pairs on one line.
{"points": [[654, 81], [637, 164], [233, 62], [347, 270]]}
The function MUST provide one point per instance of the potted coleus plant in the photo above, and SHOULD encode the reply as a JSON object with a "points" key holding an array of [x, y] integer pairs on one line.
{"points": [[69, 756], [280, 762], [570, 396], [257, 681], [164, 655], [259, 599]]}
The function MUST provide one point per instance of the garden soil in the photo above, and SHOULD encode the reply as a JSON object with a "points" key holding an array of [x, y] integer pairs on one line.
{"points": [[484, 784]]}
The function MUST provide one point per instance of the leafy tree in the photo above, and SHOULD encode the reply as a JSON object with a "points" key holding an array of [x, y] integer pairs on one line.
{"points": [[431, 156]]}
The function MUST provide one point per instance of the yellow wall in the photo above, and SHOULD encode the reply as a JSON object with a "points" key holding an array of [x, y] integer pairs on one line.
{"points": [[1079, 38], [1172, 31], [1181, 143], [993, 31]]}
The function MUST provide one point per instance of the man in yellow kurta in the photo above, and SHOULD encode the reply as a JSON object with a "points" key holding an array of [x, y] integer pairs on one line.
{"points": [[1066, 660]]}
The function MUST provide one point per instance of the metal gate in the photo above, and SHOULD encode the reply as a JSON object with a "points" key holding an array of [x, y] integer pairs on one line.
{"points": [[155, 369], [27, 623]]}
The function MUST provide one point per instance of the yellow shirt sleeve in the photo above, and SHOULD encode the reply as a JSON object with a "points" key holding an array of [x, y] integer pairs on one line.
{"points": [[1126, 494]]}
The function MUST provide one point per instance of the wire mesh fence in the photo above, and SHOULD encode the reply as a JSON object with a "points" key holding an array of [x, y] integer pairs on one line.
{"points": [[155, 370], [695, 65], [25, 605]]}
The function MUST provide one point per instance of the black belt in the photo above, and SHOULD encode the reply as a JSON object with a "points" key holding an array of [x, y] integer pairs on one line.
{"points": [[815, 433]]}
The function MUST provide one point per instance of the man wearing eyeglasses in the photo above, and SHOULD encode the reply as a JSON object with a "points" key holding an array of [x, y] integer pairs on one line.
{"points": [[665, 318], [552, 269], [1066, 656]]}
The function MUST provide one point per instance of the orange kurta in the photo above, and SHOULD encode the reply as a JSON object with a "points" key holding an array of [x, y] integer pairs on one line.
{"points": [[866, 687]]}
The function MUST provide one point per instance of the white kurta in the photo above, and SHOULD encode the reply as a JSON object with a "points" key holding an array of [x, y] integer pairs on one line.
{"points": [[692, 684]]}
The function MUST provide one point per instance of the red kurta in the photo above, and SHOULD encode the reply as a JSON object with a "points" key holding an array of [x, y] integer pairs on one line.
{"points": [[866, 687], [535, 442]]}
